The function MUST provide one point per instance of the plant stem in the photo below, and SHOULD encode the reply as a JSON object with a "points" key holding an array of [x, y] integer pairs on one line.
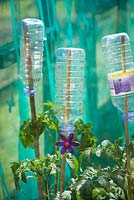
{"points": [[46, 191], [56, 182], [45, 181]]}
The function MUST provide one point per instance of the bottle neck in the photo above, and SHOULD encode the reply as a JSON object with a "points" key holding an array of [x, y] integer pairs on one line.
{"points": [[29, 92], [66, 130], [129, 116]]}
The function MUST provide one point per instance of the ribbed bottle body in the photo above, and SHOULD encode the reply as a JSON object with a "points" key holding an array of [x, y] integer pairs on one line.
{"points": [[31, 52], [69, 83], [120, 69]]}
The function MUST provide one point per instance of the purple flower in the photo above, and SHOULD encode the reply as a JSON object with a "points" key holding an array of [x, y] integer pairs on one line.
{"points": [[67, 143]]}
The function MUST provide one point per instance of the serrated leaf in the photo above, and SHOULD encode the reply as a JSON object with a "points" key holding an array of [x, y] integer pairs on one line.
{"points": [[73, 163], [118, 178], [99, 194], [15, 166], [104, 182], [70, 162], [78, 197], [23, 177], [16, 181], [66, 195], [27, 139]]}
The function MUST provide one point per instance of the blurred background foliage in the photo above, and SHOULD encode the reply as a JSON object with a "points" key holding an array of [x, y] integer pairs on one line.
{"points": [[75, 23]]}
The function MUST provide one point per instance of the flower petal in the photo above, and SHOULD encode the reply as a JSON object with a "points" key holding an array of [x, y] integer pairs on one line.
{"points": [[63, 150], [70, 137], [73, 143], [63, 137], [70, 149], [59, 144]]}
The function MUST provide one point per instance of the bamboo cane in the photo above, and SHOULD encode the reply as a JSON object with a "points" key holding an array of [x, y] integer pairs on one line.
{"points": [[66, 117], [126, 124], [32, 99]]}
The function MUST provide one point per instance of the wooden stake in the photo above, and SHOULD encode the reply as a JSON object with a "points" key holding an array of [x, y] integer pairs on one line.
{"points": [[32, 99], [67, 103], [66, 117], [126, 123]]}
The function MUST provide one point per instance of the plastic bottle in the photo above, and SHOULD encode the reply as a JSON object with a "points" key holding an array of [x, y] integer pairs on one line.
{"points": [[120, 67], [69, 84], [31, 53]]}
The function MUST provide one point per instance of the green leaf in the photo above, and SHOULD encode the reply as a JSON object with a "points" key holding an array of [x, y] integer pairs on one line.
{"points": [[27, 139], [103, 181], [49, 105], [16, 182], [76, 165], [99, 194], [23, 177], [66, 195], [15, 166], [78, 197], [86, 136], [131, 146], [73, 163], [29, 131], [118, 176]]}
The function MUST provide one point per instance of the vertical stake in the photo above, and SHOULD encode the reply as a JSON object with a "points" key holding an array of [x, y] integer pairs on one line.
{"points": [[32, 99], [126, 124], [66, 117]]}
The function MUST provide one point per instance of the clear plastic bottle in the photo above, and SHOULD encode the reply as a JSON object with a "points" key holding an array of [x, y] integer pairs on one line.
{"points": [[31, 53], [120, 67], [69, 84]]}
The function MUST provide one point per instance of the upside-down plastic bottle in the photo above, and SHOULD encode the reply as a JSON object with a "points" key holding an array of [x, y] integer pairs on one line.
{"points": [[120, 70], [69, 84], [31, 53]]}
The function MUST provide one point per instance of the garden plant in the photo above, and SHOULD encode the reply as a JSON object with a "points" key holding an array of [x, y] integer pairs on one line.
{"points": [[97, 168]]}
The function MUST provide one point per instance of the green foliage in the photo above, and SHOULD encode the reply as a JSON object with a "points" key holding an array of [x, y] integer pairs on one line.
{"points": [[131, 147], [99, 194], [96, 184], [73, 163], [84, 131], [43, 167], [90, 181], [66, 195], [87, 141], [112, 151], [44, 122]]}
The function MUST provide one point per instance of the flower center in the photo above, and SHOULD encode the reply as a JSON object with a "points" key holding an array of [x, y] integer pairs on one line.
{"points": [[66, 144]]}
